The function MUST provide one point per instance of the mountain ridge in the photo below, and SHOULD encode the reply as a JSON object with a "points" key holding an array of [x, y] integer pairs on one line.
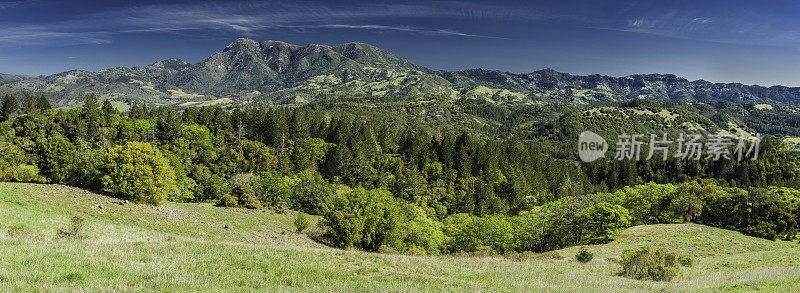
{"points": [[278, 73]]}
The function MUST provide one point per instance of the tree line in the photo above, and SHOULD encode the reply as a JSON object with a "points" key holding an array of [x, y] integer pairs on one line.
{"points": [[418, 186]]}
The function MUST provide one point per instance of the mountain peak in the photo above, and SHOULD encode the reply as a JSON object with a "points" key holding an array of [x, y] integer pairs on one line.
{"points": [[240, 43], [277, 72]]}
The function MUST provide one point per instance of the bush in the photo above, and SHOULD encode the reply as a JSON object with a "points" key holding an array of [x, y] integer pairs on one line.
{"points": [[137, 170], [20, 231], [645, 264], [23, 173], [686, 261], [420, 234], [242, 179], [75, 230], [310, 192], [84, 169], [56, 157], [471, 233], [245, 196], [584, 255], [604, 219], [227, 200], [362, 218], [300, 222], [275, 190]]}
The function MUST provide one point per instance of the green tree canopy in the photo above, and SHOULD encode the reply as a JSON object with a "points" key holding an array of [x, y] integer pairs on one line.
{"points": [[362, 218], [137, 170]]}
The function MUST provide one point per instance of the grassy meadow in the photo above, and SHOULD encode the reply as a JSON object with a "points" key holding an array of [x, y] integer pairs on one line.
{"points": [[200, 247]]}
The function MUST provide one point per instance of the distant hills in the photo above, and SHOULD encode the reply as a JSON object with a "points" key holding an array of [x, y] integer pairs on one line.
{"points": [[277, 73]]}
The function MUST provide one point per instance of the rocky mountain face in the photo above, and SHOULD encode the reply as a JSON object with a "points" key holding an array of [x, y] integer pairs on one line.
{"points": [[273, 73]]}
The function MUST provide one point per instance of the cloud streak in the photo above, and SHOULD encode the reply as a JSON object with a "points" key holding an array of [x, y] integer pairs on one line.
{"points": [[438, 32], [10, 4], [41, 35], [241, 18], [253, 18]]}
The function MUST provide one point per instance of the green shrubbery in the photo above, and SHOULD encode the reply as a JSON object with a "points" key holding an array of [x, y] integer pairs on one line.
{"points": [[419, 191], [139, 171], [471, 234], [584, 255], [22, 173], [362, 218], [604, 219], [647, 264], [300, 222], [419, 233]]}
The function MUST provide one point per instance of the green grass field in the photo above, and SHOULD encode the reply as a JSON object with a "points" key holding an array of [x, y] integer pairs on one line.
{"points": [[199, 247]]}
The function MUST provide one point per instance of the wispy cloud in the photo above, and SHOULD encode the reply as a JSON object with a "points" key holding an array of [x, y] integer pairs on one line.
{"points": [[249, 18], [442, 32], [241, 18], [38, 35], [712, 21], [702, 20], [9, 4]]}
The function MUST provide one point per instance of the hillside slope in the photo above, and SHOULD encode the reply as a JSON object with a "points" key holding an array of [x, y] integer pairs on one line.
{"points": [[277, 73], [199, 247]]}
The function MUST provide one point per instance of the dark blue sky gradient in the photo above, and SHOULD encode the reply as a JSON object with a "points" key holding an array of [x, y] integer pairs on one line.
{"points": [[752, 42]]}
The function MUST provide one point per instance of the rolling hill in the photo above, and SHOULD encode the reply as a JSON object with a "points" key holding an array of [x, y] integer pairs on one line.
{"points": [[200, 247], [277, 73]]}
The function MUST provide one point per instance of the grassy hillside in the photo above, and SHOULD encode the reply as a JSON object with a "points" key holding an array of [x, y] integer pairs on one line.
{"points": [[199, 247]]}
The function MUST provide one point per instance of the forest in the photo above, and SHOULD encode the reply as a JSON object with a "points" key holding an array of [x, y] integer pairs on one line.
{"points": [[384, 181]]}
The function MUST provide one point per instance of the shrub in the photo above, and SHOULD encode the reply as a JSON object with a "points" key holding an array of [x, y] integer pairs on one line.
{"points": [[183, 190], [243, 179], [419, 234], [75, 230], [604, 219], [227, 200], [249, 202], [362, 218], [300, 222], [84, 169], [310, 192], [646, 264], [23, 173], [686, 261], [56, 156], [584, 255], [20, 231], [137, 170], [184, 185], [245, 196], [471, 233], [275, 190]]}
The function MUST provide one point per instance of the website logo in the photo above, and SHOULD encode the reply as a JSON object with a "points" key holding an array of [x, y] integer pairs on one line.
{"points": [[591, 146]]}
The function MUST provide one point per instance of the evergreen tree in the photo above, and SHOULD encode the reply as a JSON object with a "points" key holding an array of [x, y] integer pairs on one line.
{"points": [[137, 112], [42, 103], [29, 104], [108, 109], [8, 108]]}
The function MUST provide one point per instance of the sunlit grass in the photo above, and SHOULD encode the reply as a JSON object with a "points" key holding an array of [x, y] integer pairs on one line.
{"points": [[199, 247]]}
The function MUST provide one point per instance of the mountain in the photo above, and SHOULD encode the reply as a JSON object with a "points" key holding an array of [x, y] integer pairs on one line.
{"points": [[277, 73]]}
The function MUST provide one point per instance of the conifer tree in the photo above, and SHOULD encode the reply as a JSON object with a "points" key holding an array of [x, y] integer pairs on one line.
{"points": [[8, 108], [42, 103], [108, 109]]}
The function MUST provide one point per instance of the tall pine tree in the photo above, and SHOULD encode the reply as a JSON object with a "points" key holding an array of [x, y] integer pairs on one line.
{"points": [[9, 107]]}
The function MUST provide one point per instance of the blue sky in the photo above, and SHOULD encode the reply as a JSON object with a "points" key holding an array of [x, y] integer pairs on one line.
{"points": [[752, 42]]}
